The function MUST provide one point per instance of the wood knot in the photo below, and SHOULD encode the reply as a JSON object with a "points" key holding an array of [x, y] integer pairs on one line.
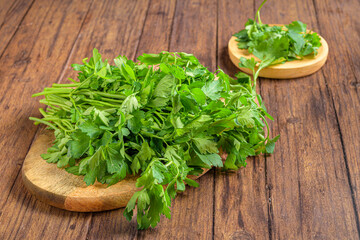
{"points": [[292, 120], [243, 235], [72, 226], [22, 61], [355, 84], [160, 13]]}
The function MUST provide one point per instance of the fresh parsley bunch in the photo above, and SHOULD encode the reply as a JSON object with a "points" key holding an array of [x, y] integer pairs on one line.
{"points": [[163, 118], [275, 44]]}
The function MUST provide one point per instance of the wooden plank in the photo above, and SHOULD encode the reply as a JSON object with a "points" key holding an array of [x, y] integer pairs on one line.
{"points": [[192, 212], [240, 197], [25, 217], [342, 75], [158, 27], [11, 15], [34, 58], [26, 67], [154, 38], [309, 191], [194, 31], [113, 27]]}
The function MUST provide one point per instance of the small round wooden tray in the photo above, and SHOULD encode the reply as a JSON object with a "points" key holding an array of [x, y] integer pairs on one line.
{"points": [[61, 189], [292, 69]]}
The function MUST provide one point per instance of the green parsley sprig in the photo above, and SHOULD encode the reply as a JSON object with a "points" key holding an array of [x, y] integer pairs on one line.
{"points": [[275, 44], [163, 118]]}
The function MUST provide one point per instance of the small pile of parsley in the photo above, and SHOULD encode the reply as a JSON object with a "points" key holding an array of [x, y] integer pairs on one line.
{"points": [[163, 118], [275, 44]]}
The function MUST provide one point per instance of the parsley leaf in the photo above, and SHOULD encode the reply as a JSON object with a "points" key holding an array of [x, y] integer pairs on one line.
{"points": [[160, 118], [275, 44]]}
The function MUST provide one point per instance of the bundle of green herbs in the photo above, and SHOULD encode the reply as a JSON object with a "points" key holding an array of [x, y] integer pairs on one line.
{"points": [[275, 44], [163, 118]]}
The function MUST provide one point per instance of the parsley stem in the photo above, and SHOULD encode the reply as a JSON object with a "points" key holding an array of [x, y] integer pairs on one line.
{"points": [[111, 100], [67, 123], [53, 91], [61, 85], [142, 138], [111, 95], [159, 115], [72, 80], [61, 126], [165, 143], [52, 109], [267, 128], [42, 112], [100, 103], [258, 12], [43, 122], [157, 121], [50, 103]]}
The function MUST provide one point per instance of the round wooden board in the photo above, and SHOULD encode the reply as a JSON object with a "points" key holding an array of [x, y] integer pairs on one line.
{"points": [[61, 189], [293, 69]]}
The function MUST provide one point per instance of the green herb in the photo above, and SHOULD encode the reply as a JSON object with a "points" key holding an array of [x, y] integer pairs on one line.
{"points": [[163, 118], [275, 44]]}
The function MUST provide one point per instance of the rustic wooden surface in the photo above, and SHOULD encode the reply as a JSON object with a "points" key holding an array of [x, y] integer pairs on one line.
{"points": [[308, 189]]}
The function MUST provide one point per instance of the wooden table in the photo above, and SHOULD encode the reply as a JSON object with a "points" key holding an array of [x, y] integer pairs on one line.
{"points": [[308, 189]]}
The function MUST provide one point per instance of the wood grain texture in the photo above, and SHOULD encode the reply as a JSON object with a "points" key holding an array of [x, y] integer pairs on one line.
{"points": [[152, 40], [33, 59], [11, 15], [240, 197], [191, 212], [307, 178], [308, 189], [293, 69], [342, 76], [103, 28]]}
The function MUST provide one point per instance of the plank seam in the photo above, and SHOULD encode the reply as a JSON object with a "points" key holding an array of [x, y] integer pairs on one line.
{"points": [[73, 46], [341, 138], [172, 26], [90, 226], [17, 28], [142, 30], [216, 66], [24, 71], [37, 130], [18, 215], [137, 47], [345, 157], [37, 33], [17, 175], [267, 188], [66, 64], [269, 202], [268, 195], [353, 70], [7, 13]]}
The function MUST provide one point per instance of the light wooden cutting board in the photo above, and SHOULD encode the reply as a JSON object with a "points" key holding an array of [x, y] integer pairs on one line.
{"points": [[293, 69], [61, 189]]}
